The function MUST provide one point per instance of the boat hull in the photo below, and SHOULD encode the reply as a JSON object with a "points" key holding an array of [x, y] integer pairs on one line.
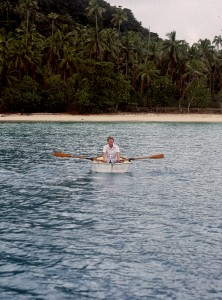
{"points": [[103, 167]]}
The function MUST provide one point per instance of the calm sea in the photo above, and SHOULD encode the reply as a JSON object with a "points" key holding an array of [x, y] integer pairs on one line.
{"points": [[67, 233]]}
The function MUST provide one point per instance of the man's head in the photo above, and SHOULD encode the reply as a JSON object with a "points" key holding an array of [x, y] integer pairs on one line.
{"points": [[110, 141]]}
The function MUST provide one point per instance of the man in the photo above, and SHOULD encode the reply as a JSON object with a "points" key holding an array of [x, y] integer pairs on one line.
{"points": [[111, 152]]}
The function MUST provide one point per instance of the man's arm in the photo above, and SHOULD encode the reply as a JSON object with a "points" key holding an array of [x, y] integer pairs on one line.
{"points": [[104, 156], [117, 155]]}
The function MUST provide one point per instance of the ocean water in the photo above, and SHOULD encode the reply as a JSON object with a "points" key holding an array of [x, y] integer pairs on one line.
{"points": [[68, 233]]}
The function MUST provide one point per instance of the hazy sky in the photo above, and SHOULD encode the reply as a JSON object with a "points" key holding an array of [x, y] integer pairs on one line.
{"points": [[191, 19]]}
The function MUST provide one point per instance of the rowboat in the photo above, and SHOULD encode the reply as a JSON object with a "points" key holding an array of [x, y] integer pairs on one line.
{"points": [[99, 166]]}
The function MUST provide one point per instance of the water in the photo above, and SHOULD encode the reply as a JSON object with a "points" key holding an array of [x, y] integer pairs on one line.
{"points": [[67, 233]]}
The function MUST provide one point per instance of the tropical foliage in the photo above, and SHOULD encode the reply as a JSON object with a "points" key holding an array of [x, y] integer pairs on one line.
{"points": [[86, 56]]}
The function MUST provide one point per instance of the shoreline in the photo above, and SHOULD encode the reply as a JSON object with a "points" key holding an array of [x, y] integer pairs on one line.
{"points": [[121, 117]]}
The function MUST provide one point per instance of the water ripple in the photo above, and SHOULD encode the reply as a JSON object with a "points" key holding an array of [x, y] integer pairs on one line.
{"points": [[67, 233]]}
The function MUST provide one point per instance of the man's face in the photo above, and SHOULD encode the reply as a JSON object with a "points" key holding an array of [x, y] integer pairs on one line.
{"points": [[110, 143]]}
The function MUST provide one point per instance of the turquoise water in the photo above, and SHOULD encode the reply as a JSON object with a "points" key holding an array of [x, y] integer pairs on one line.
{"points": [[154, 233]]}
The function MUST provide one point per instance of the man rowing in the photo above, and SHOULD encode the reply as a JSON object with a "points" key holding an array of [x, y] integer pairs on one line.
{"points": [[111, 152]]}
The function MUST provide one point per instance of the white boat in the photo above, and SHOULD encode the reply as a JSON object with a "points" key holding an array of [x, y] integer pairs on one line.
{"points": [[99, 166]]}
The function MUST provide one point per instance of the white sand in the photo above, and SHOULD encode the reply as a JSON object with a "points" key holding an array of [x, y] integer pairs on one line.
{"points": [[122, 117]]}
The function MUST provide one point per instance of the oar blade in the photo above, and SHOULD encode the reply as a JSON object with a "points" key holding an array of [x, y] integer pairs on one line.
{"points": [[155, 156], [60, 154]]}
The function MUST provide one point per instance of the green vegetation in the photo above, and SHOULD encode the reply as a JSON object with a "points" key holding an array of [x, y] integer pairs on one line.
{"points": [[83, 56]]}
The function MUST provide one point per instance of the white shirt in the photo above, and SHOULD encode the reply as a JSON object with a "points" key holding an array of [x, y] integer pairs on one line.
{"points": [[111, 153]]}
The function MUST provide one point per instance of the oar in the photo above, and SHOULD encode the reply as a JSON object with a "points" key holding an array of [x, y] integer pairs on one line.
{"points": [[155, 156], [60, 154]]}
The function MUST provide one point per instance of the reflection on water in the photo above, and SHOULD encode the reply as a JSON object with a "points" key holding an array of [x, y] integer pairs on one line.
{"points": [[68, 233]]}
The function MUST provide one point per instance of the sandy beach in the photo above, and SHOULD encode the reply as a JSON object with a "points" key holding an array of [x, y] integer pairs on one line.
{"points": [[121, 117]]}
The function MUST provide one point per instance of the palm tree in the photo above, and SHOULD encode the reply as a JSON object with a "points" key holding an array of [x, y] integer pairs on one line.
{"points": [[6, 5], [206, 50], [193, 52], [20, 58], [218, 72], [110, 48], [148, 72], [218, 41], [208, 55], [195, 73], [172, 50], [118, 18], [195, 70], [93, 45], [154, 53], [5, 42], [53, 17], [26, 9], [128, 49], [68, 65], [94, 9]]}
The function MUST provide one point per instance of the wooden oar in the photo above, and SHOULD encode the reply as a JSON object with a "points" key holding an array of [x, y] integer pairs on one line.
{"points": [[60, 154], [155, 156]]}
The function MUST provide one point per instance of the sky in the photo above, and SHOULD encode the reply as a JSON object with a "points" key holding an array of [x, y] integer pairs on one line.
{"points": [[191, 19]]}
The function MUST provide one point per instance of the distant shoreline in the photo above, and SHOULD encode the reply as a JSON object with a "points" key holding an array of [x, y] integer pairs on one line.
{"points": [[121, 117]]}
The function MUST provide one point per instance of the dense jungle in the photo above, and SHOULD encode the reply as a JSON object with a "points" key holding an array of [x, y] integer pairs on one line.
{"points": [[80, 56]]}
